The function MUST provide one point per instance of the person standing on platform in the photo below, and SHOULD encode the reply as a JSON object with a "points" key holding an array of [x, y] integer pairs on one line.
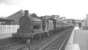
{"points": [[43, 24], [47, 22], [54, 24], [80, 25]]}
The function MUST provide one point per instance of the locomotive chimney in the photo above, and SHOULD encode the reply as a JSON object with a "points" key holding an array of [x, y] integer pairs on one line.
{"points": [[26, 13]]}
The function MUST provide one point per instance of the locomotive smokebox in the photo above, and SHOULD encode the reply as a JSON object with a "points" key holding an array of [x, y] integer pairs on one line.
{"points": [[25, 23]]}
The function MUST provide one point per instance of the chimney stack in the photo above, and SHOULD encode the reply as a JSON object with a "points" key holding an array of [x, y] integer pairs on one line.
{"points": [[26, 13]]}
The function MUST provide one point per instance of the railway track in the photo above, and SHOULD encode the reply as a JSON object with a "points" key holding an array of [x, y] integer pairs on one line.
{"points": [[58, 43], [11, 45], [60, 38]]}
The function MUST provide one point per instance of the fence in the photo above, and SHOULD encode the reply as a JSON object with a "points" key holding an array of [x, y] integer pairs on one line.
{"points": [[7, 30]]}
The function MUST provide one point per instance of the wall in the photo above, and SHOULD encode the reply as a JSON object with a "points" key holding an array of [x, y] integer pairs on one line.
{"points": [[7, 30]]}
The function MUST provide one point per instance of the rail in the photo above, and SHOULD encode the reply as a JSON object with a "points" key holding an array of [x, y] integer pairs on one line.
{"points": [[16, 47], [12, 46]]}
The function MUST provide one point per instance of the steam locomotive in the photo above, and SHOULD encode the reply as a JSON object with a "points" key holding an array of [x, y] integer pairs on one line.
{"points": [[31, 28]]}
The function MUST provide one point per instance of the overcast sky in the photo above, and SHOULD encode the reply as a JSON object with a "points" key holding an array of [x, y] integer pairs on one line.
{"points": [[76, 9]]}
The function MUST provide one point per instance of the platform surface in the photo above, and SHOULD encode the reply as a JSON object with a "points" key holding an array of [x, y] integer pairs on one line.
{"points": [[78, 40]]}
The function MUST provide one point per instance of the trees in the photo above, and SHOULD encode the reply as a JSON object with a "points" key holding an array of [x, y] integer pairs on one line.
{"points": [[34, 15]]}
